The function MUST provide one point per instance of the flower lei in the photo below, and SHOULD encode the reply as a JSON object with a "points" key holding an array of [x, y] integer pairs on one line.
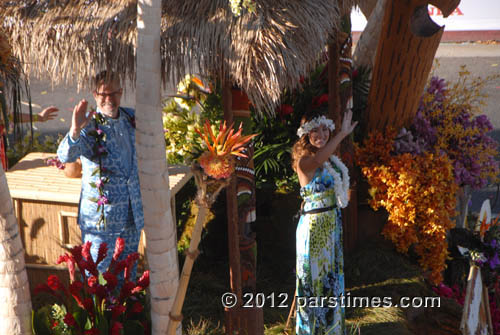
{"points": [[341, 184], [99, 151], [315, 123]]}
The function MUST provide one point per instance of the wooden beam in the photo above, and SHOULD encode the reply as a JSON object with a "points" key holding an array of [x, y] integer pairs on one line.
{"points": [[232, 315]]}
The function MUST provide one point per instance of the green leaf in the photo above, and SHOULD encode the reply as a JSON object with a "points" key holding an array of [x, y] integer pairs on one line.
{"points": [[93, 184], [96, 170], [102, 324], [40, 321], [81, 317], [93, 199]]}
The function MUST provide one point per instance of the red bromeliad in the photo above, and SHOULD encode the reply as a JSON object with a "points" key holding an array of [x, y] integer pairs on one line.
{"points": [[96, 296]]}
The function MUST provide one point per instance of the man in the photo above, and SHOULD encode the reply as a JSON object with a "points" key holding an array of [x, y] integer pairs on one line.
{"points": [[115, 194]]}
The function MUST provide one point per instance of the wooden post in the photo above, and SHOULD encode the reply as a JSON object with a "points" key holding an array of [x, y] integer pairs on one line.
{"points": [[333, 84], [406, 49], [232, 315]]}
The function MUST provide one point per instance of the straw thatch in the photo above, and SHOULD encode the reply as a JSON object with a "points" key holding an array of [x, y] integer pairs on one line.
{"points": [[262, 52]]}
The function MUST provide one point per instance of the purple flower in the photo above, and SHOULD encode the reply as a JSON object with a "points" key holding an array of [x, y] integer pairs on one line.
{"points": [[493, 243], [494, 261], [99, 131], [99, 183], [102, 200]]}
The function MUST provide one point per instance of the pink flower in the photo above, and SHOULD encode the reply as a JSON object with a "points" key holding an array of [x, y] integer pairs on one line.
{"points": [[102, 200]]}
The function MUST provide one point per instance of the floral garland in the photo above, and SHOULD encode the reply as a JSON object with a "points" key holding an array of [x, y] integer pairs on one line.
{"points": [[307, 127], [341, 184], [99, 151]]}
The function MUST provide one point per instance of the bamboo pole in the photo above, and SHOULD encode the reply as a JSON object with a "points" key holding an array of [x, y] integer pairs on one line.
{"points": [[191, 254], [208, 190]]}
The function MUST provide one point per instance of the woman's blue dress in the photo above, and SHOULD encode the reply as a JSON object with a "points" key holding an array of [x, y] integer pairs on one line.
{"points": [[320, 263]]}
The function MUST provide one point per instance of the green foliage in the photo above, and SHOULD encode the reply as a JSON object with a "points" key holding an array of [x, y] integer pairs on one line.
{"points": [[277, 134], [360, 89], [182, 114]]}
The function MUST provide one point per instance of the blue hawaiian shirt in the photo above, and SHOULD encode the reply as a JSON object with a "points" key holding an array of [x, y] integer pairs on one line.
{"points": [[122, 190]]}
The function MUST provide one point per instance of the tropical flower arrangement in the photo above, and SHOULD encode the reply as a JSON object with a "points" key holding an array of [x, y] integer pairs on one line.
{"points": [[447, 121], [416, 174], [212, 170], [482, 248], [95, 303], [184, 112], [418, 192], [218, 160]]}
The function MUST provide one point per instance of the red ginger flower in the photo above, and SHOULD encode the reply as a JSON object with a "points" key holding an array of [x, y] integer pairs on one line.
{"points": [[119, 246], [116, 328], [70, 263], [318, 101], [117, 310], [69, 320], [75, 288], [111, 280], [136, 308], [131, 259], [142, 283], [126, 290], [92, 331], [89, 305], [55, 284], [103, 250]]}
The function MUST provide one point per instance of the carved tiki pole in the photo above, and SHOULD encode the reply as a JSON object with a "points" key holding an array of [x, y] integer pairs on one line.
{"points": [[406, 49]]}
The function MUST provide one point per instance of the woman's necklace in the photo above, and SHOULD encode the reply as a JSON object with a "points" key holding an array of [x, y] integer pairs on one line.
{"points": [[341, 183]]}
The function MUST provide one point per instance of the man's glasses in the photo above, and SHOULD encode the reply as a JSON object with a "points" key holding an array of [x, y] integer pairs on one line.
{"points": [[111, 95]]}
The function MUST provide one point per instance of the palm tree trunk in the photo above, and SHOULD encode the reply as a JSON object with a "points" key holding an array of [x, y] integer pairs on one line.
{"points": [[15, 311], [161, 239]]}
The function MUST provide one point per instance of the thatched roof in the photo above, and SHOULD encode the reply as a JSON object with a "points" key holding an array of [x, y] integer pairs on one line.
{"points": [[263, 52]]}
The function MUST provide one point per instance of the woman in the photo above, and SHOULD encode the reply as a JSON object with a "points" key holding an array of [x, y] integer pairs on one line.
{"points": [[47, 114], [324, 182]]}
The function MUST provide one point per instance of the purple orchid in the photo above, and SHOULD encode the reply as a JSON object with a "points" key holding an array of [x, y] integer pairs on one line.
{"points": [[102, 200], [494, 261]]}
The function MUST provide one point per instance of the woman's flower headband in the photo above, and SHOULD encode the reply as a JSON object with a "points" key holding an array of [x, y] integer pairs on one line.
{"points": [[315, 123]]}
